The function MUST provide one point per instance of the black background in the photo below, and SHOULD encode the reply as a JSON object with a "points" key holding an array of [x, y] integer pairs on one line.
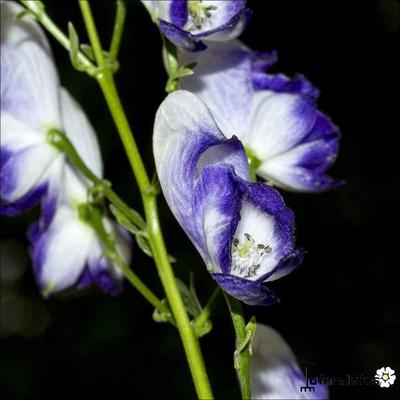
{"points": [[338, 311]]}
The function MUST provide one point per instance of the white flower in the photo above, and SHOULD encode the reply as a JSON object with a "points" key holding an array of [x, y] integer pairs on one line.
{"points": [[385, 377], [69, 252], [29, 165]]}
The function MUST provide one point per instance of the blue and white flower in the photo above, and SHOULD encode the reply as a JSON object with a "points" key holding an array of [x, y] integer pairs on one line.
{"points": [[190, 23], [274, 371], [243, 231], [29, 165], [69, 252], [291, 142]]}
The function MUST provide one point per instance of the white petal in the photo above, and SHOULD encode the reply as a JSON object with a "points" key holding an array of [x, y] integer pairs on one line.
{"points": [[260, 226], [222, 80], [80, 132], [280, 122], [29, 89], [75, 186], [15, 135], [389, 371], [67, 249], [26, 170]]}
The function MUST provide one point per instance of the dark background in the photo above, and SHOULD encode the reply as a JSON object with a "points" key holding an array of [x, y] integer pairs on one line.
{"points": [[338, 311]]}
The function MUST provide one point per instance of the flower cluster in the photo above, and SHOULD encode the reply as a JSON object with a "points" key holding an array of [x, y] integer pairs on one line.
{"points": [[234, 120], [66, 249]]}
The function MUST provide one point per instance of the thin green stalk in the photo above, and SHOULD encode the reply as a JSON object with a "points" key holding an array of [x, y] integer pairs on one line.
{"points": [[189, 339], [204, 316], [118, 29], [242, 355], [96, 220], [61, 141], [35, 7], [92, 31]]}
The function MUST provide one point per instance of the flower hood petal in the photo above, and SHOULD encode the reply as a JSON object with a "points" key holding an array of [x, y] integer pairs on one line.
{"points": [[29, 89]]}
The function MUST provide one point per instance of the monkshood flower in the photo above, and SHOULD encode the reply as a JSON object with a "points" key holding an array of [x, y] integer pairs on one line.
{"points": [[29, 165], [274, 371], [69, 252], [243, 230], [190, 23], [290, 142]]}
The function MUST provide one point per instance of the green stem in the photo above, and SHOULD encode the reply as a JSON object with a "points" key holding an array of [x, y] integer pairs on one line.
{"points": [[118, 29], [189, 339], [61, 141], [36, 8], [204, 316], [236, 311], [96, 220]]}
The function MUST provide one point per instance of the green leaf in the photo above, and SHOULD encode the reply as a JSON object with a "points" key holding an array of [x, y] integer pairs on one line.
{"points": [[247, 342], [191, 302], [144, 245], [163, 317], [193, 291], [204, 329], [87, 50], [74, 50], [133, 224], [136, 225]]}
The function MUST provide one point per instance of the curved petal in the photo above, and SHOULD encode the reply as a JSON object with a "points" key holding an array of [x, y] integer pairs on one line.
{"points": [[222, 79], [280, 122], [184, 130], [216, 205], [29, 89], [26, 202], [302, 168], [103, 273], [54, 192], [15, 135], [216, 15], [100, 270], [278, 83], [61, 253], [274, 371], [233, 18], [80, 132], [25, 171], [250, 292], [180, 37], [177, 12], [264, 241], [188, 23]]}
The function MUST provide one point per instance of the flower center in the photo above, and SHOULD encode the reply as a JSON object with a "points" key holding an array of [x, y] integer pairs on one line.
{"points": [[385, 377], [247, 255], [199, 12]]}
